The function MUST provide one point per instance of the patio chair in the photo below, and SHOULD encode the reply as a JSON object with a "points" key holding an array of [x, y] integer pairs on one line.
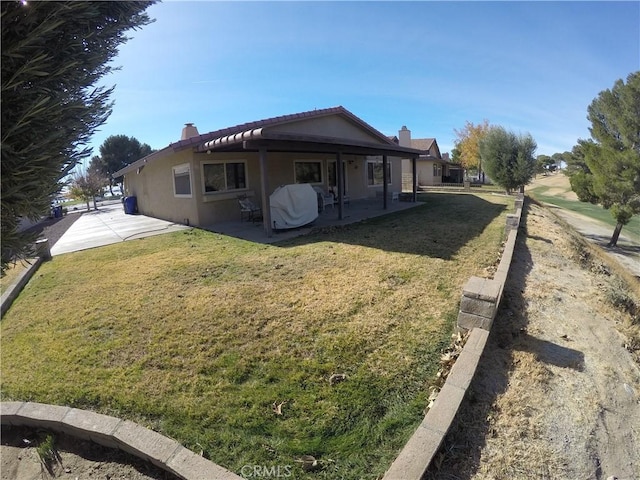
{"points": [[324, 198], [249, 210]]}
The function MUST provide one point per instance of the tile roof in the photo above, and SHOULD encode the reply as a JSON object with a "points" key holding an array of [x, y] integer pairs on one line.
{"points": [[275, 121], [201, 139]]}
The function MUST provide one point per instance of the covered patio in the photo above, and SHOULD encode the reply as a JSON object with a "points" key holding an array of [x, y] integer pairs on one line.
{"points": [[353, 212], [262, 141]]}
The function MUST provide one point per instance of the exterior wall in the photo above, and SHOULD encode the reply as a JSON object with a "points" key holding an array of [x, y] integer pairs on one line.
{"points": [[154, 190], [425, 173], [223, 206], [211, 208], [363, 190]]}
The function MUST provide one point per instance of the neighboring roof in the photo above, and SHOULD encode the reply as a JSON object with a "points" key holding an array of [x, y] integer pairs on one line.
{"points": [[427, 144], [422, 143], [250, 135]]}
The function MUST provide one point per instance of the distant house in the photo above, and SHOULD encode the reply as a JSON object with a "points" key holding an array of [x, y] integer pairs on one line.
{"points": [[433, 168], [198, 179]]}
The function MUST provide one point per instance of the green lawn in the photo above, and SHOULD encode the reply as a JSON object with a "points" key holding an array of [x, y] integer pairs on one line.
{"points": [[199, 336]]}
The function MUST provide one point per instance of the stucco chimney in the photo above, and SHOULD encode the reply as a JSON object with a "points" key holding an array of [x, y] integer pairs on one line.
{"points": [[189, 130], [404, 137]]}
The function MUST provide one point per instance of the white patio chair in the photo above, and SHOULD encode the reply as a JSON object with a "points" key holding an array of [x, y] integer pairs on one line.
{"points": [[324, 199]]}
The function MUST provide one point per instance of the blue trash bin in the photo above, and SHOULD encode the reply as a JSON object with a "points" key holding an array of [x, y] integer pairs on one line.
{"points": [[57, 211], [130, 205]]}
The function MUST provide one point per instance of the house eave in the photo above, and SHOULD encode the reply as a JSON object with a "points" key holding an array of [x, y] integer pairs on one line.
{"points": [[293, 142]]}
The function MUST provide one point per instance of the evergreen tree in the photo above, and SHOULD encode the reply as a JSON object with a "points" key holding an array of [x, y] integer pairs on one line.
{"points": [[606, 168], [53, 54], [118, 151]]}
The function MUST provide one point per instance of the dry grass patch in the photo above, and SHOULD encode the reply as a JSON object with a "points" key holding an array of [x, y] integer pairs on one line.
{"points": [[203, 336], [10, 276]]}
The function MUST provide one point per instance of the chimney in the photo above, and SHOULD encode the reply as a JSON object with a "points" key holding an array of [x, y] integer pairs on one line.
{"points": [[404, 137], [189, 131]]}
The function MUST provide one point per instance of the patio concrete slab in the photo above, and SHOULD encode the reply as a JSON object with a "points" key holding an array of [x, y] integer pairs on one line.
{"points": [[110, 225], [355, 211]]}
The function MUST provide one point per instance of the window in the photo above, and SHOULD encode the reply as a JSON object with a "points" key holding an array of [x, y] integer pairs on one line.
{"points": [[182, 180], [374, 173], [437, 170], [308, 172], [224, 176]]}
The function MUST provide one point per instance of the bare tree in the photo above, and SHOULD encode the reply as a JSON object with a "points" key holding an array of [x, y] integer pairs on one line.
{"points": [[88, 184]]}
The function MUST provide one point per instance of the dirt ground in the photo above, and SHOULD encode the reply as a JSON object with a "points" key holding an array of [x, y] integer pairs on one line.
{"points": [[76, 460], [627, 252], [557, 393], [556, 396]]}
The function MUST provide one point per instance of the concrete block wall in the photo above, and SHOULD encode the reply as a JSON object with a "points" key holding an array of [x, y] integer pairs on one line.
{"points": [[478, 307], [112, 432], [13, 290]]}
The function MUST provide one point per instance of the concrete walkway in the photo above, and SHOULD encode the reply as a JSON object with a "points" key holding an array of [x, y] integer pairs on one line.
{"points": [[110, 225]]}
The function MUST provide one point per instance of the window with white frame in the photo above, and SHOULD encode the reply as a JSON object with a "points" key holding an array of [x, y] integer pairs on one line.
{"points": [[182, 180], [308, 171], [224, 176], [375, 173], [437, 170]]}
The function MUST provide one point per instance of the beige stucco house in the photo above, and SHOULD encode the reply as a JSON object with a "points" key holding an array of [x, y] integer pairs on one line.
{"points": [[433, 168], [198, 179]]}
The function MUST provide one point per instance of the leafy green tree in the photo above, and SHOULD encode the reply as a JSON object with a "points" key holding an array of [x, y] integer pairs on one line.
{"points": [[508, 158], [612, 157], [558, 159], [118, 151], [53, 54], [544, 163]]}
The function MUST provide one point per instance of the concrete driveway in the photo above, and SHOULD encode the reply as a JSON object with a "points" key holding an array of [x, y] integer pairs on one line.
{"points": [[110, 225]]}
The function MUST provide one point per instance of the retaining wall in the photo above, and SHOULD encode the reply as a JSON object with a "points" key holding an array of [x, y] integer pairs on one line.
{"points": [[478, 306], [113, 432]]}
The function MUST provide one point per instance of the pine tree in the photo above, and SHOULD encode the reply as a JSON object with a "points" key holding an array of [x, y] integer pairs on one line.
{"points": [[613, 154]]}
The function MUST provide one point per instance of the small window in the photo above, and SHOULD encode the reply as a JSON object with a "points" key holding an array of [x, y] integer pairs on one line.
{"points": [[182, 180], [225, 176], [437, 170], [374, 173], [308, 172]]}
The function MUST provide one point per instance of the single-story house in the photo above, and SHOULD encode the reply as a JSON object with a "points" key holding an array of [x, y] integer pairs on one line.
{"points": [[198, 179], [433, 168]]}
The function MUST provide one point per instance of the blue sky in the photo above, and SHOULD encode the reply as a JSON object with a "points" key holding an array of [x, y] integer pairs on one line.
{"points": [[532, 67]]}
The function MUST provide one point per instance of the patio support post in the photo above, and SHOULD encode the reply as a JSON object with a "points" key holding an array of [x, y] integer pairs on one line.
{"points": [[340, 183], [414, 179], [266, 207], [385, 180]]}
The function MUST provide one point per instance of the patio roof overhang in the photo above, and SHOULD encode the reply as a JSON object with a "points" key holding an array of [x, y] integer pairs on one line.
{"points": [[260, 138]]}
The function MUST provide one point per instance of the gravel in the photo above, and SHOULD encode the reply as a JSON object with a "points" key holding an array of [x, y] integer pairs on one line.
{"points": [[53, 228]]}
